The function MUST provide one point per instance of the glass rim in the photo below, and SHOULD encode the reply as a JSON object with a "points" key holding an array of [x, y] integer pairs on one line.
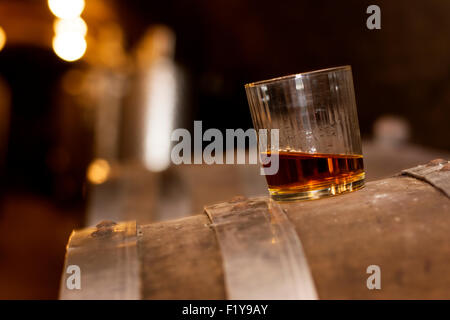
{"points": [[294, 75]]}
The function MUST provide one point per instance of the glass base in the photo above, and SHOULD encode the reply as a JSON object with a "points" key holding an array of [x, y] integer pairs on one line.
{"points": [[331, 190]]}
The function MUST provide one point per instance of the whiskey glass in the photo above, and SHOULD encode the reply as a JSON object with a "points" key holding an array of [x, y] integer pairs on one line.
{"points": [[319, 149]]}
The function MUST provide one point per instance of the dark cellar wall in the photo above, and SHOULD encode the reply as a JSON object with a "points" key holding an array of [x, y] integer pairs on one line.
{"points": [[402, 69]]}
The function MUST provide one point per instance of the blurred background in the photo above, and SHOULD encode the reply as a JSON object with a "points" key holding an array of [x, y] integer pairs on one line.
{"points": [[91, 90]]}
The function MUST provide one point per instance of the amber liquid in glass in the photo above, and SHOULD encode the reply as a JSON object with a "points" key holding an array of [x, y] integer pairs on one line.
{"points": [[315, 171]]}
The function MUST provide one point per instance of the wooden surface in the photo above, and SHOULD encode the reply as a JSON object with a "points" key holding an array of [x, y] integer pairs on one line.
{"points": [[256, 238], [401, 224], [180, 260], [133, 193], [436, 172], [107, 260]]}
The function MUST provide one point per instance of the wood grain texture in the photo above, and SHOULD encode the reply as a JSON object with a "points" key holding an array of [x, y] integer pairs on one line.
{"points": [[180, 259], [255, 239], [108, 263], [436, 172], [401, 224]]}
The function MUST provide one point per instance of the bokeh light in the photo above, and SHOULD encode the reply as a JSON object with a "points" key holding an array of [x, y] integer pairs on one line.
{"points": [[74, 25], [66, 9], [98, 171], [69, 46], [161, 105], [2, 38]]}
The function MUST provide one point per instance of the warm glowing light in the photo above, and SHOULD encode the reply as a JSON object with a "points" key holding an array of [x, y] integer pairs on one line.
{"points": [[2, 38], [75, 25], [69, 46], [98, 171], [161, 103], [66, 9]]}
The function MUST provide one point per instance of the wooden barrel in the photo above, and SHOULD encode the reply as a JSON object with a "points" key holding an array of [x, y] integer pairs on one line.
{"points": [[400, 224]]}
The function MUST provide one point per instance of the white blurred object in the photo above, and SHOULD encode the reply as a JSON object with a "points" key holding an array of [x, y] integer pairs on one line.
{"points": [[66, 9], [159, 114], [391, 131], [75, 25], [69, 46], [156, 108]]}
